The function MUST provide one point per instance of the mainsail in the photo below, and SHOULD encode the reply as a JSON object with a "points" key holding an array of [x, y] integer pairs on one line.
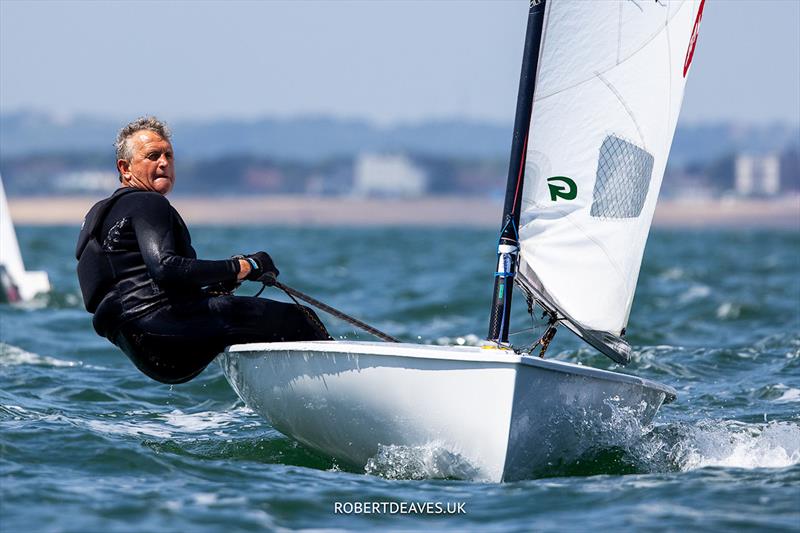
{"points": [[609, 81], [609, 88]]}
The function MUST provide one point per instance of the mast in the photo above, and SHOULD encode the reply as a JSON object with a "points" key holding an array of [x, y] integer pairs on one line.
{"points": [[508, 246]]}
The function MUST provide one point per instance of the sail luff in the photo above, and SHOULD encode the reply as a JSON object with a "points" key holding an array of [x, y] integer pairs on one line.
{"points": [[508, 246]]}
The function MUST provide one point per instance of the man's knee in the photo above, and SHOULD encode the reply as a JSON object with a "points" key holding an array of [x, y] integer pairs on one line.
{"points": [[165, 358]]}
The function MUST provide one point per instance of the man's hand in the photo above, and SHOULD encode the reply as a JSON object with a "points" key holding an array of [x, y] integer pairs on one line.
{"points": [[262, 265]]}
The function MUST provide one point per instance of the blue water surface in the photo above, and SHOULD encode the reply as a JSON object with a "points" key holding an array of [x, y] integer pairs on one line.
{"points": [[89, 444]]}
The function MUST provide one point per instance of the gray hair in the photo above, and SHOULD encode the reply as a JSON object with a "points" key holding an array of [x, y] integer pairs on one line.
{"points": [[150, 123]]}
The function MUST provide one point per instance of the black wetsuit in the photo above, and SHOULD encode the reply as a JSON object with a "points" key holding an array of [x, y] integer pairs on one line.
{"points": [[142, 280]]}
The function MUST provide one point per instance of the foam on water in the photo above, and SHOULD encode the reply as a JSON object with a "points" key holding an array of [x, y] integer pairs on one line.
{"points": [[105, 451], [12, 355], [673, 273], [140, 423], [203, 421], [739, 445], [729, 311], [681, 446], [15, 412], [172, 424], [669, 448], [432, 460], [131, 429], [789, 395], [693, 293]]}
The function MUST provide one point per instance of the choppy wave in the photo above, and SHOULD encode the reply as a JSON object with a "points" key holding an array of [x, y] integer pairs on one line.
{"points": [[126, 428], [682, 447], [715, 316], [12, 355], [788, 394], [431, 461], [173, 424], [738, 445], [693, 293], [624, 446], [686, 446], [203, 421]]}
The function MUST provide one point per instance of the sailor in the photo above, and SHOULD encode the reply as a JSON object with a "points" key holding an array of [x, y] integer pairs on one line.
{"points": [[170, 312]]}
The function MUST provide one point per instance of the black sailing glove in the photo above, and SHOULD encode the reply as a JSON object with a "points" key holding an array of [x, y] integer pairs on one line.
{"points": [[263, 269]]}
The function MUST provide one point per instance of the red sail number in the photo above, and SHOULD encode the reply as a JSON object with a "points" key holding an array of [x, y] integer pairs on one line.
{"points": [[693, 40]]}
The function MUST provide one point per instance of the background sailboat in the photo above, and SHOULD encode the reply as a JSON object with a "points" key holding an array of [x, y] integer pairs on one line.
{"points": [[16, 284], [604, 81]]}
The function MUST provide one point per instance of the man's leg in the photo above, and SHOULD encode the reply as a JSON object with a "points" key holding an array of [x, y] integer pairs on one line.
{"points": [[251, 319], [175, 344]]}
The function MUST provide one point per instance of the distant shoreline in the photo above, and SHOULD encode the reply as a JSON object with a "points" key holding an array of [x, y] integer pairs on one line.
{"points": [[430, 211]]}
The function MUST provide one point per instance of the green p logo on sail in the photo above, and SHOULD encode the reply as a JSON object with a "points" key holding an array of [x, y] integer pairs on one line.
{"points": [[562, 187]]}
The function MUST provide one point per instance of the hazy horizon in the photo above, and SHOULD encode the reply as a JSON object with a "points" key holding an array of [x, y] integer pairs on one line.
{"points": [[70, 118]]}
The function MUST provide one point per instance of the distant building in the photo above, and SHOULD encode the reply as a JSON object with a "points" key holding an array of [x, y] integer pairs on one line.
{"points": [[757, 175], [388, 175]]}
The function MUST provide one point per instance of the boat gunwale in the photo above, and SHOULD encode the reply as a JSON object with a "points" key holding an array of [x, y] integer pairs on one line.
{"points": [[472, 354]]}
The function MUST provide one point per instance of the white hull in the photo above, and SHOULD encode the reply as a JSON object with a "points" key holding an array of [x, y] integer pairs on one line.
{"points": [[503, 415]]}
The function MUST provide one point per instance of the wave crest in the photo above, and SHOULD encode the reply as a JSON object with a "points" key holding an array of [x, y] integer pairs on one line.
{"points": [[431, 461], [738, 445], [11, 356]]}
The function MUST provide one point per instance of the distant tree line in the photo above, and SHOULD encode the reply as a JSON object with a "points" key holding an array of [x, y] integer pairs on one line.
{"points": [[92, 172]]}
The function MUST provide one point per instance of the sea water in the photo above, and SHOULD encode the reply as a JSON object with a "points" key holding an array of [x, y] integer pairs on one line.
{"points": [[87, 443]]}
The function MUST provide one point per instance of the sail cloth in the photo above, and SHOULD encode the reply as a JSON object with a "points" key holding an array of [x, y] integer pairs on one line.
{"points": [[15, 282], [608, 93]]}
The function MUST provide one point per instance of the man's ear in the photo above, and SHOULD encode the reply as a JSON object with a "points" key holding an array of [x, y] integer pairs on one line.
{"points": [[123, 166]]}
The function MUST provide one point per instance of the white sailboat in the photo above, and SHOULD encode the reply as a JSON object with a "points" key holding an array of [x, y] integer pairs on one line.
{"points": [[600, 93], [16, 284]]}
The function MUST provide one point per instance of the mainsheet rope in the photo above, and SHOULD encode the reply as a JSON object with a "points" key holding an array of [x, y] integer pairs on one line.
{"points": [[269, 280]]}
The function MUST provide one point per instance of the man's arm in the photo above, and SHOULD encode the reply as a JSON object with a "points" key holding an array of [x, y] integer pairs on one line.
{"points": [[153, 226]]}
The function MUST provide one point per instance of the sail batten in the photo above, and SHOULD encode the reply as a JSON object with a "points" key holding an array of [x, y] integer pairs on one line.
{"points": [[609, 86]]}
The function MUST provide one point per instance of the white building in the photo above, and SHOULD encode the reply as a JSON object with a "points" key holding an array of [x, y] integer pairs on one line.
{"points": [[757, 176], [388, 175]]}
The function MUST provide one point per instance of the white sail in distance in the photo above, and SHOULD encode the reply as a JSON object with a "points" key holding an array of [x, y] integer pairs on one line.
{"points": [[23, 284], [609, 87]]}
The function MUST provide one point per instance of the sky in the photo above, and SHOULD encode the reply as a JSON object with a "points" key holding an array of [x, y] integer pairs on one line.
{"points": [[388, 62]]}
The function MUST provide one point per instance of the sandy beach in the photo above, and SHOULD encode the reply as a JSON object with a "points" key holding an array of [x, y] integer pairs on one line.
{"points": [[437, 211]]}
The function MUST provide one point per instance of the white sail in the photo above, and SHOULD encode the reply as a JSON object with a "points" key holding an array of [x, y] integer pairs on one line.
{"points": [[15, 281], [608, 93]]}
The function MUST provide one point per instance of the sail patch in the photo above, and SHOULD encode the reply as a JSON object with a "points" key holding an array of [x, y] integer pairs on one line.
{"points": [[623, 178]]}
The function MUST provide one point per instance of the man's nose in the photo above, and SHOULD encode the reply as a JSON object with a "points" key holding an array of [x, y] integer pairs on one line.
{"points": [[163, 160]]}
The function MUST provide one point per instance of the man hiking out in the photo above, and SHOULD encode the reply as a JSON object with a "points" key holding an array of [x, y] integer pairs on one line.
{"points": [[170, 312]]}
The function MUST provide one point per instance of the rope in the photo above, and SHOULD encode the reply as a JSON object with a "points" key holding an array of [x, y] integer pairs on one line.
{"points": [[292, 293], [549, 333]]}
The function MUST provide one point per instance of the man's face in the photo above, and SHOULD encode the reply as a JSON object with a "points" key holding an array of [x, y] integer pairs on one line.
{"points": [[151, 167]]}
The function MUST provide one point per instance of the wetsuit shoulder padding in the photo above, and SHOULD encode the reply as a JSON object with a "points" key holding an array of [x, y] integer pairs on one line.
{"points": [[94, 267]]}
